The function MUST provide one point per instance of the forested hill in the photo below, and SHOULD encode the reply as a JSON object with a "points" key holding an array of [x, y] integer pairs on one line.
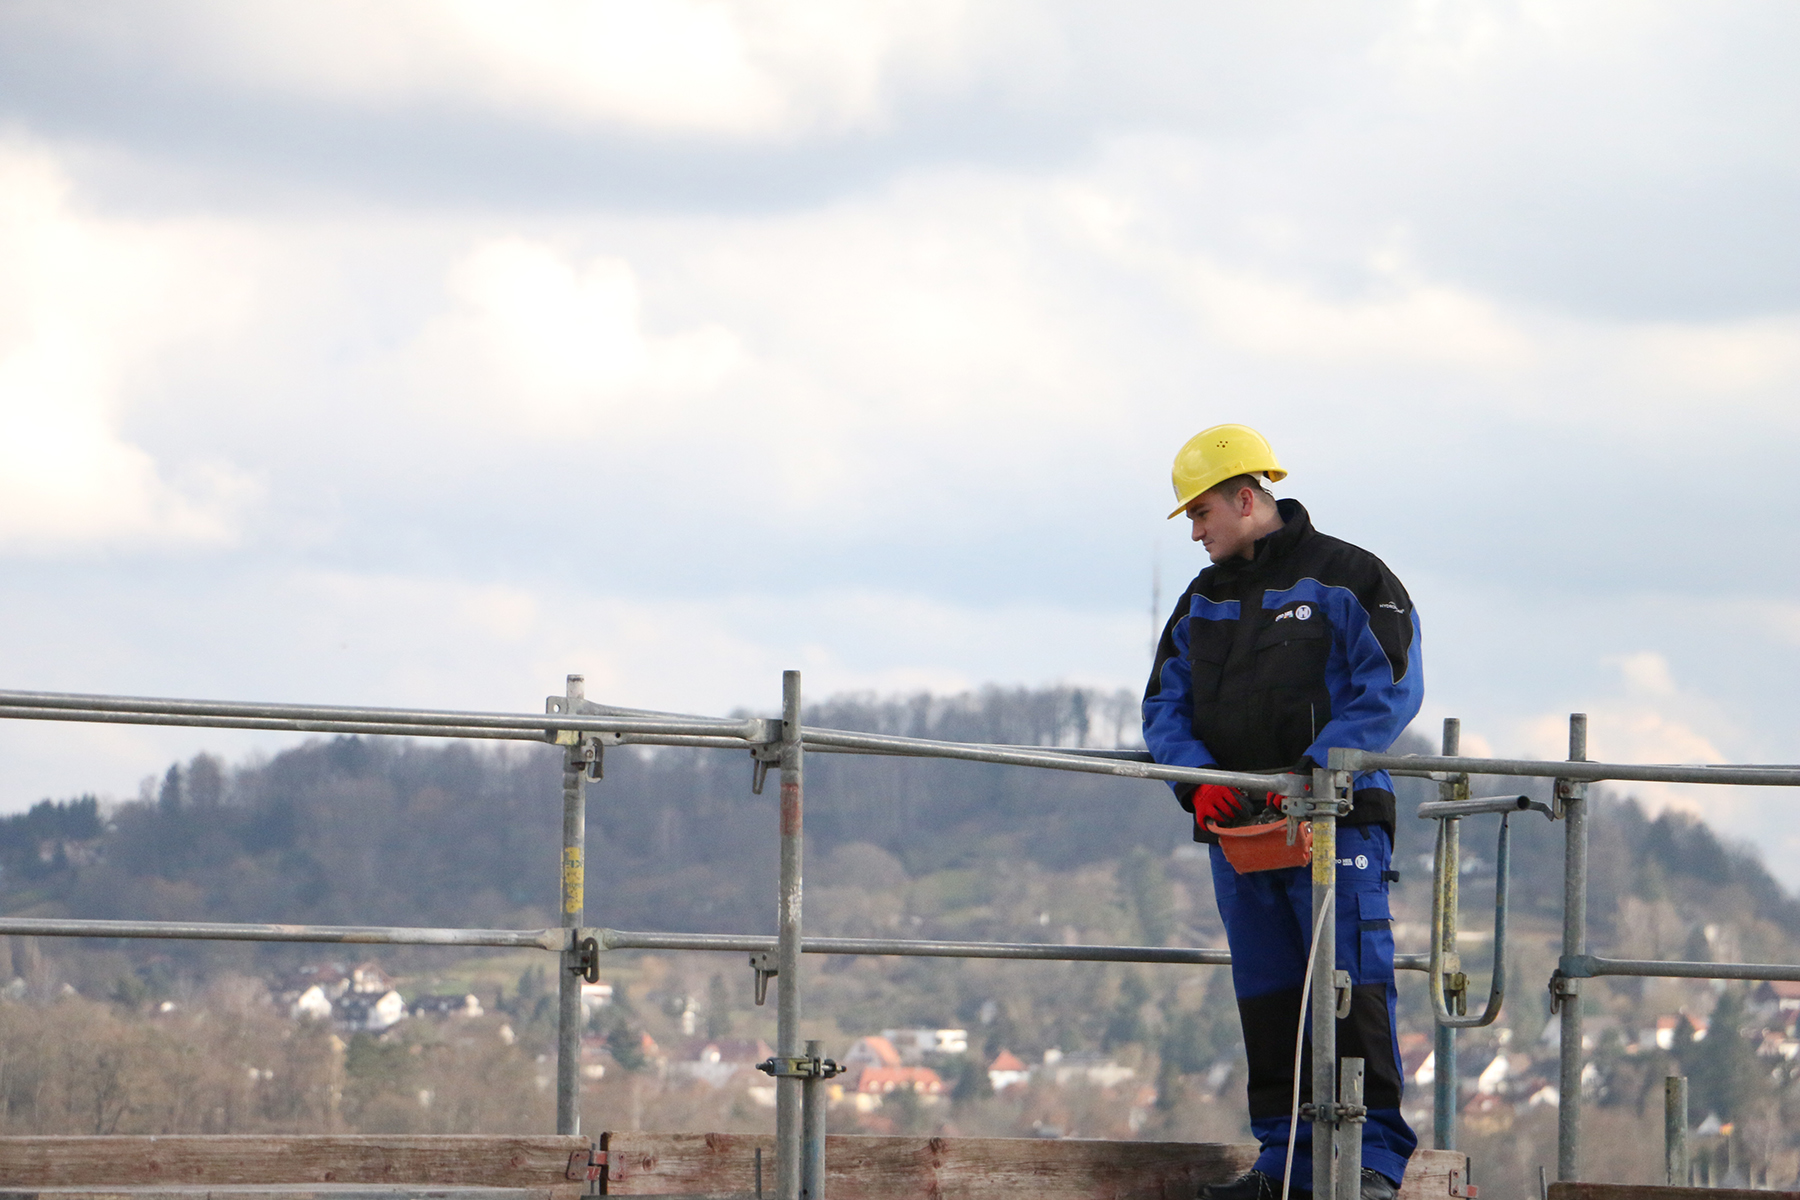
{"points": [[384, 831]]}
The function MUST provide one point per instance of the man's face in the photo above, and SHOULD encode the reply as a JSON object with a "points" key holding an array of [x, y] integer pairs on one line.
{"points": [[1225, 525]]}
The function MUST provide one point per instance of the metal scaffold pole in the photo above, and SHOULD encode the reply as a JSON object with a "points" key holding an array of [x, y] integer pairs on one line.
{"points": [[1443, 1082], [788, 1084], [1675, 1131], [1324, 989], [1566, 991], [812, 1122], [574, 871]]}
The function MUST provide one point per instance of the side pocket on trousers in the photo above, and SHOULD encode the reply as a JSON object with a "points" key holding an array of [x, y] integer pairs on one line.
{"points": [[1375, 937]]}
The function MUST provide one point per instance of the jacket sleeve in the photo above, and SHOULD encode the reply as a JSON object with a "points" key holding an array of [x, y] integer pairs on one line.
{"points": [[1169, 707], [1375, 674]]}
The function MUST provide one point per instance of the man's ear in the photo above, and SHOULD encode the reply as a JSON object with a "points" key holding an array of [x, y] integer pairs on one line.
{"points": [[1246, 502]]}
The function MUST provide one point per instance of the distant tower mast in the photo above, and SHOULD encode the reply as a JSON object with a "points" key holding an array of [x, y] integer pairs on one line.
{"points": [[1155, 600]]}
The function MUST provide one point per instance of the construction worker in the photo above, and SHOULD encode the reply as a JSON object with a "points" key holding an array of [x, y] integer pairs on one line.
{"points": [[1290, 643]]}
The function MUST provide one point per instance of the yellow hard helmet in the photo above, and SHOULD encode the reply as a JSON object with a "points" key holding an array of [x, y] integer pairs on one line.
{"points": [[1214, 455]]}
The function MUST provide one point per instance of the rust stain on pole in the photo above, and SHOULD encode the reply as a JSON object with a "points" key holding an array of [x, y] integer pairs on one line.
{"points": [[790, 809]]}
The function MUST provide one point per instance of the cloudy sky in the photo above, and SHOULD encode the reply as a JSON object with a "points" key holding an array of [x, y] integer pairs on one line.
{"points": [[421, 353]]}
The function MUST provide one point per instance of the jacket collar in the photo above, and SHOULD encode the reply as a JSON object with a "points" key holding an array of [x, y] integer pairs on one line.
{"points": [[1296, 527]]}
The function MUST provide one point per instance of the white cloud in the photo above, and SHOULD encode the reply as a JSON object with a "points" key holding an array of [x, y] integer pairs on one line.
{"points": [[1130, 213], [760, 69], [1414, 321], [1653, 721], [1751, 356], [1645, 672], [542, 344], [87, 308]]}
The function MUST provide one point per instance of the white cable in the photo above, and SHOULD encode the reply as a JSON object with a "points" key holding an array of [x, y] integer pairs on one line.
{"points": [[1312, 953]]}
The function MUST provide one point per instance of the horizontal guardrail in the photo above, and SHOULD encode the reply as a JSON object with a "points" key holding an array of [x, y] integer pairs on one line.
{"points": [[1435, 766], [212, 931], [621, 939], [1588, 966], [612, 725]]}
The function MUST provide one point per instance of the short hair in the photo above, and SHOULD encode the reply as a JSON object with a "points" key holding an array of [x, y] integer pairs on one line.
{"points": [[1225, 489]]}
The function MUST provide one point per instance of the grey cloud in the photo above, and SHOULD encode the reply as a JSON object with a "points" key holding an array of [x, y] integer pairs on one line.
{"points": [[1651, 179]]}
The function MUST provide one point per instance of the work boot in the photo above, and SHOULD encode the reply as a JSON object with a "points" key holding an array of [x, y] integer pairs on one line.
{"points": [[1254, 1185], [1376, 1186]]}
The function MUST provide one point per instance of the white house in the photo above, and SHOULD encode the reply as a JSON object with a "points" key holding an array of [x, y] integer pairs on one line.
{"points": [[915, 1044], [872, 1051], [595, 996], [448, 1006], [369, 979], [718, 1061], [370, 1013], [311, 1003], [1006, 1070], [1084, 1067]]}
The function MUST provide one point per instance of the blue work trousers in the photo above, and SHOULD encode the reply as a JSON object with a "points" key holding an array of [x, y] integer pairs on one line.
{"points": [[1268, 924]]}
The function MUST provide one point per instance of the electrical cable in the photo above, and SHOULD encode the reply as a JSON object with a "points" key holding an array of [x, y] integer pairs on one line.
{"points": [[1312, 954]]}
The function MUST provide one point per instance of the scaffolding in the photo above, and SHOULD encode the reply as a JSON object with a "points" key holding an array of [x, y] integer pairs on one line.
{"points": [[585, 729]]}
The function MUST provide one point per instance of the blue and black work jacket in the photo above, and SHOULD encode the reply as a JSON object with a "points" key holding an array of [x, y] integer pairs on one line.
{"points": [[1268, 661]]}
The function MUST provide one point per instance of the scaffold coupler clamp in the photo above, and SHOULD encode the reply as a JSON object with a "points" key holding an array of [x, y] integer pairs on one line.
{"points": [[1338, 1115], [1309, 806], [1566, 790], [587, 749], [766, 967], [802, 1066], [1565, 981], [1453, 785], [585, 961]]}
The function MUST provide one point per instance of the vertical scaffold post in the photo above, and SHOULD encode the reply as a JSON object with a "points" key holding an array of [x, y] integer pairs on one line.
{"points": [[1324, 989], [788, 1132], [1675, 1131], [574, 868], [812, 1124], [1350, 1096], [1574, 942], [1443, 1082]]}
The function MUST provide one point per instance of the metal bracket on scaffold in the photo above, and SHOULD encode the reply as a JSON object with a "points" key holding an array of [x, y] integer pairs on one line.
{"points": [[765, 752], [766, 967]]}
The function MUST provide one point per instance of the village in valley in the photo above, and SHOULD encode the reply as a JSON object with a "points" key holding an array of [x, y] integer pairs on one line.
{"points": [[912, 1062], [922, 1078]]}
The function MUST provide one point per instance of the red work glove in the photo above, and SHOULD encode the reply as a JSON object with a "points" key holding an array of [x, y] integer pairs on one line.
{"points": [[1215, 803]]}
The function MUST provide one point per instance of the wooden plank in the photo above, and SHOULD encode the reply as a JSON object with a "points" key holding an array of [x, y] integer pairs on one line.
{"points": [[1428, 1174], [898, 1168], [206, 1161], [274, 1191], [1633, 1191]]}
